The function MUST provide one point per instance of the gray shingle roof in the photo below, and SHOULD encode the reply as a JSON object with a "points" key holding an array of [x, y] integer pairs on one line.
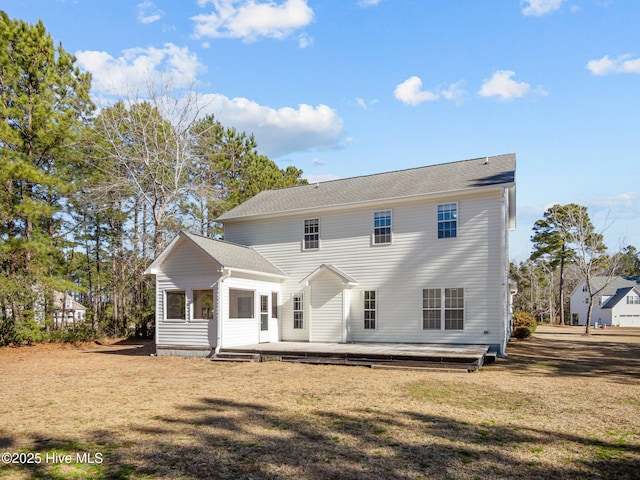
{"points": [[231, 255], [226, 254], [415, 182], [620, 294], [615, 284]]}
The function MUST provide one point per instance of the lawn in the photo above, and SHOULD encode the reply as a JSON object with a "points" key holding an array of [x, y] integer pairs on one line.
{"points": [[561, 406]]}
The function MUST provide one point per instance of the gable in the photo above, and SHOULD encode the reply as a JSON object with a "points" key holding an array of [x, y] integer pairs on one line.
{"points": [[620, 297], [481, 173], [187, 248]]}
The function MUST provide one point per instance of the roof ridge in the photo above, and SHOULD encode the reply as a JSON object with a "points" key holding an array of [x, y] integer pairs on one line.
{"points": [[367, 175], [191, 234]]}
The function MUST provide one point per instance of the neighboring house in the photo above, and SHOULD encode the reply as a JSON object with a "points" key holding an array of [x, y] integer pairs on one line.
{"points": [[411, 256], [617, 305], [67, 310]]}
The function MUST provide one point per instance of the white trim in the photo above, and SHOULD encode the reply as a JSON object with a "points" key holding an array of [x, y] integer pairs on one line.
{"points": [[373, 232], [375, 311], [345, 279], [304, 234]]}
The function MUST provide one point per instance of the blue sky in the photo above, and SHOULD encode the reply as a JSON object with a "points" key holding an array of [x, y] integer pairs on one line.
{"points": [[341, 88]]}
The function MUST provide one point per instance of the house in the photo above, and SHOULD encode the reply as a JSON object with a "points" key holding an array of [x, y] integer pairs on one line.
{"points": [[66, 309], [410, 256], [618, 304]]}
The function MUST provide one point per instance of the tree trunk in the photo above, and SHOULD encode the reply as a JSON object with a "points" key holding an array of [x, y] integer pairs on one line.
{"points": [[562, 286]]}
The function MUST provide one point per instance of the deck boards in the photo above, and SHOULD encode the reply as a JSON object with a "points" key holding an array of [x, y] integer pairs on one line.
{"points": [[470, 357]]}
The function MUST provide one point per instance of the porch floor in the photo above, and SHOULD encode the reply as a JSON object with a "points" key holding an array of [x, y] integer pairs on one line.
{"points": [[375, 355]]}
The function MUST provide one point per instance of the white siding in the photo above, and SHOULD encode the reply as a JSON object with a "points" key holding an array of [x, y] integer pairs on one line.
{"points": [[579, 305], [186, 269], [415, 259], [326, 309], [244, 331], [625, 314]]}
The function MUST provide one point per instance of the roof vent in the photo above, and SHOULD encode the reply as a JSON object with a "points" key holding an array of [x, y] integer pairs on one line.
{"points": [[486, 160]]}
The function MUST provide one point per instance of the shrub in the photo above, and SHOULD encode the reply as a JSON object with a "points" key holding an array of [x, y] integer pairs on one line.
{"points": [[524, 324]]}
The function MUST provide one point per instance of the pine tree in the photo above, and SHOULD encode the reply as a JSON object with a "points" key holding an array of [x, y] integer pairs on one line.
{"points": [[44, 100]]}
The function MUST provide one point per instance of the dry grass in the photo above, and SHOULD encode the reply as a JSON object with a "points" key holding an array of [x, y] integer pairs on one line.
{"points": [[562, 406]]}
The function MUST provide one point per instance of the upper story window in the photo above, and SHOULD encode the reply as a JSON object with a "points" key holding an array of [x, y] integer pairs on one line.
{"points": [[312, 234], [382, 227], [633, 300], [447, 220]]}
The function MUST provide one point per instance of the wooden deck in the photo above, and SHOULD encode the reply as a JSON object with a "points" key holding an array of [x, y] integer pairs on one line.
{"points": [[374, 355]]}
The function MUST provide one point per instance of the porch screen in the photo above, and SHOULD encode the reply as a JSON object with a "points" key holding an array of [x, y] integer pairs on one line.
{"points": [[240, 303]]}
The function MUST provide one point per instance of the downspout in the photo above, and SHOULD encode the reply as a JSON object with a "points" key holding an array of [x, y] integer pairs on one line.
{"points": [[504, 265], [226, 273]]}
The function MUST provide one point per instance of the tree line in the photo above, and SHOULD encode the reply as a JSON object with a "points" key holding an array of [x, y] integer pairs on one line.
{"points": [[89, 196], [567, 249]]}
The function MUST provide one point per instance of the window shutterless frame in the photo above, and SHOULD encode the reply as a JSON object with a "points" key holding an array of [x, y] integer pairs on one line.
{"points": [[311, 236]]}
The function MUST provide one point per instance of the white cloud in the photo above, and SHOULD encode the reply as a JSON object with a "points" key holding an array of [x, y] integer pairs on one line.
{"points": [[411, 93], [326, 177], [138, 67], [538, 8], [502, 85], [621, 64], [368, 3], [454, 92], [626, 205], [148, 13], [251, 19], [279, 131], [364, 104]]}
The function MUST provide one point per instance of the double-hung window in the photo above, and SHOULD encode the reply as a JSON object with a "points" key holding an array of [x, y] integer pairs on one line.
{"points": [[370, 309], [312, 234], [298, 311], [443, 307], [447, 220], [453, 308], [633, 300], [382, 227], [431, 309]]}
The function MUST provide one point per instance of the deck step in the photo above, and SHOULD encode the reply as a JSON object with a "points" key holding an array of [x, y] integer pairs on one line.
{"points": [[468, 366], [236, 357]]}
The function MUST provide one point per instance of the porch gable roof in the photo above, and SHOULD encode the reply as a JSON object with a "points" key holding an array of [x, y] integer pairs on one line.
{"points": [[343, 277], [226, 254]]}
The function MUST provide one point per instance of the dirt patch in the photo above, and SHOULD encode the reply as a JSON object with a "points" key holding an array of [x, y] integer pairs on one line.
{"points": [[561, 406]]}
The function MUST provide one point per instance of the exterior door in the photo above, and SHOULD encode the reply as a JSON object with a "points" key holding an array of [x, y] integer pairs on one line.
{"points": [[264, 318]]}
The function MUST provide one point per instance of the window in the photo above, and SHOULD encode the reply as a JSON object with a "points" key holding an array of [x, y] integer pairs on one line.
{"points": [[453, 309], [312, 234], [431, 308], [264, 313], [240, 303], [633, 300], [274, 304], [176, 306], [298, 311], [382, 227], [447, 220], [203, 305], [434, 316], [370, 308]]}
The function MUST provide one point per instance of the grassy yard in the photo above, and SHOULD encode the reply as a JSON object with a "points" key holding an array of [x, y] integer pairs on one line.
{"points": [[561, 406]]}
